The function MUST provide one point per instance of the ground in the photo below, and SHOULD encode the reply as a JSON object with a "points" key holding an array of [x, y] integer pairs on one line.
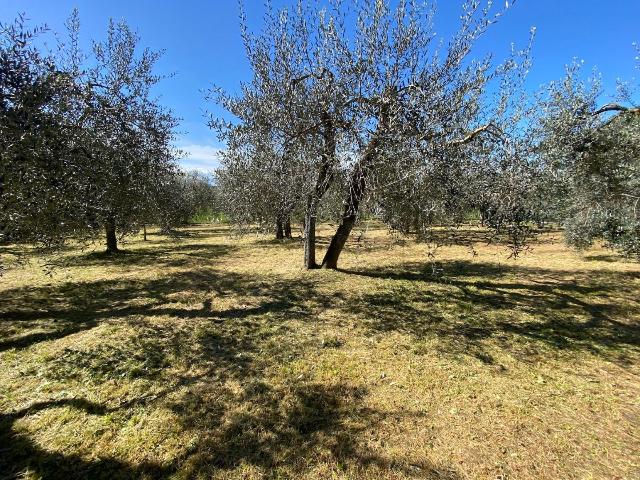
{"points": [[217, 356]]}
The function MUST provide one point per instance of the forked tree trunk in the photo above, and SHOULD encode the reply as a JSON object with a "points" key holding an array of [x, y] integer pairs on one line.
{"points": [[323, 182], [357, 188], [287, 227], [112, 240], [352, 204]]}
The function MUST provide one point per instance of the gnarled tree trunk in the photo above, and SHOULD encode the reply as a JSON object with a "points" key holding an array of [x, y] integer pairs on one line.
{"points": [[357, 186], [357, 189]]}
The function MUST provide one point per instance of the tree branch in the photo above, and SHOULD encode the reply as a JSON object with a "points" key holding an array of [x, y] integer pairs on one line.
{"points": [[615, 107], [489, 128]]}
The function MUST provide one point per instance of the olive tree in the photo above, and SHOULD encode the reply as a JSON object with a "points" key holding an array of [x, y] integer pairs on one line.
{"points": [[592, 154], [41, 163], [130, 140], [262, 184], [382, 101], [180, 197], [84, 142], [282, 146]]}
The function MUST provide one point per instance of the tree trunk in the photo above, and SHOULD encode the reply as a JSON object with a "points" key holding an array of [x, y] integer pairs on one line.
{"points": [[351, 206], [338, 241], [144, 233], [112, 240], [287, 227], [310, 241], [323, 182], [357, 188], [279, 229]]}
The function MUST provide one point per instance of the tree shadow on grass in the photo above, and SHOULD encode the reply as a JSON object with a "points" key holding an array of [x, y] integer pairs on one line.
{"points": [[156, 255], [287, 428], [286, 431], [283, 429], [610, 258], [519, 309], [59, 311], [19, 454]]}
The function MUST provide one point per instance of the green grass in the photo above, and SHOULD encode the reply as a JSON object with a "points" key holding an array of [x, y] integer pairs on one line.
{"points": [[218, 357]]}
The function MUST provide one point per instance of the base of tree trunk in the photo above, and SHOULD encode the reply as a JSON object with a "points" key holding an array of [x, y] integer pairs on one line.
{"points": [[310, 243], [287, 228], [338, 242], [112, 239]]}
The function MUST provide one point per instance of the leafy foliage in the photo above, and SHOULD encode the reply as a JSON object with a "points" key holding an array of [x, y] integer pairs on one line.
{"points": [[85, 145], [593, 156]]}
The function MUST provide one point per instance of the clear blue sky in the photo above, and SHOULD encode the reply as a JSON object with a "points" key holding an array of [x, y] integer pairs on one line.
{"points": [[201, 39]]}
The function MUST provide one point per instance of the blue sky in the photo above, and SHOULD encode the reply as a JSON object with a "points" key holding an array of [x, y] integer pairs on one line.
{"points": [[201, 39]]}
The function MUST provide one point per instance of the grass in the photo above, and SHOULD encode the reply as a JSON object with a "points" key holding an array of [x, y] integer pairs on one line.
{"points": [[218, 357]]}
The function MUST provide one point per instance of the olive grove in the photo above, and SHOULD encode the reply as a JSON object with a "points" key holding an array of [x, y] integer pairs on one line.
{"points": [[413, 125], [366, 102], [591, 155]]}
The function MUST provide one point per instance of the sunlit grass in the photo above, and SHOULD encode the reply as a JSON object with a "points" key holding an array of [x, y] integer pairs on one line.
{"points": [[216, 356]]}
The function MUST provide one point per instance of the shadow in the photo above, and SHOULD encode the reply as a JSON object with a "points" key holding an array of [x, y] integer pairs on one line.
{"points": [[292, 429], [611, 258], [62, 310], [207, 341], [287, 243], [58, 331], [521, 309], [274, 429], [174, 254], [284, 426], [19, 455]]}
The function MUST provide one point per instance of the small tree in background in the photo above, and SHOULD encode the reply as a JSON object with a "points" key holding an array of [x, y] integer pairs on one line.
{"points": [[260, 184], [181, 197]]}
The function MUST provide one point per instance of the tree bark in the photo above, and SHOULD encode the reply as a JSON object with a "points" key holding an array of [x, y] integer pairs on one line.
{"points": [[357, 187], [112, 240], [287, 227], [338, 241], [279, 229], [310, 241]]}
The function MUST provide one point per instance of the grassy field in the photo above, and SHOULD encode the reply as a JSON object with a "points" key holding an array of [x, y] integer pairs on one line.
{"points": [[218, 357]]}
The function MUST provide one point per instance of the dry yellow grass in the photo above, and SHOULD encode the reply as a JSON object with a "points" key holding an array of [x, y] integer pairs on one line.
{"points": [[218, 357]]}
